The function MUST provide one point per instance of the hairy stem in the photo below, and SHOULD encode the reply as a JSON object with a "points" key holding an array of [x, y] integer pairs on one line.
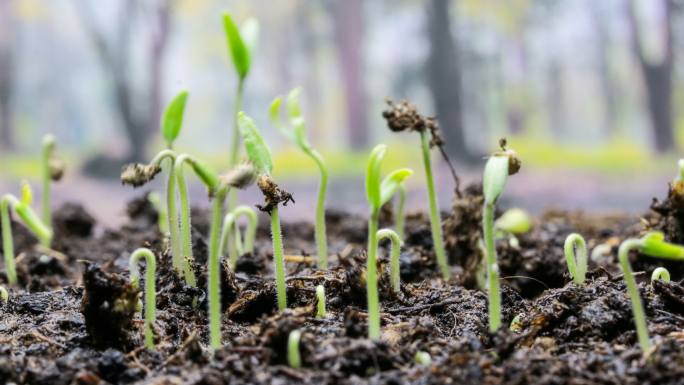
{"points": [[185, 229], [214, 270], [493, 291], [637, 305], [400, 213], [235, 142], [395, 278], [435, 219], [229, 221], [577, 268], [372, 277], [150, 289], [320, 231], [48, 147], [7, 241], [278, 259]]}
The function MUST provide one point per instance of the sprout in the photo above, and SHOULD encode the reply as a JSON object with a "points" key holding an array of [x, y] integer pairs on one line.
{"points": [[394, 257], [652, 245], [405, 117], [139, 174], [600, 250], [150, 291], [53, 169], [514, 221], [162, 216], [400, 212], [499, 166], [30, 219], [423, 358], [680, 169], [4, 294], [378, 193], [296, 134], [260, 155], [320, 302], [293, 357], [660, 273], [230, 221], [576, 266]]}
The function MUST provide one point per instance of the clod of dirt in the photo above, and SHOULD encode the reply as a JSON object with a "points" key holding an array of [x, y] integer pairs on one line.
{"points": [[72, 220], [141, 210], [275, 330], [137, 174], [671, 212], [108, 306]]}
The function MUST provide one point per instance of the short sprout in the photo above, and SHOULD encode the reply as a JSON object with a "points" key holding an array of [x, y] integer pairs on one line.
{"points": [[293, 356], [514, 221], [4, 294], [150, 291], [395, 251], [575, 250], [320, 302], [423, 358], [229, 223], [660, 273]]}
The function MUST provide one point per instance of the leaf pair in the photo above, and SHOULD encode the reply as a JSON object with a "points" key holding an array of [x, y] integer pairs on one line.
{"points": [[380, 192], [257, 150], [241, 42], [296, 132]]}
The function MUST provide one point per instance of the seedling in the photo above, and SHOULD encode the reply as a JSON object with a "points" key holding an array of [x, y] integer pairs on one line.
{"points": [[423, 358], [260, 155], [22, 207], [230, 221], [660, 273], [680, 169], [296, 133], [53, 169], [652, 245], [577, 263], [150, 291], [320, 302], [378, 193], [395, 279], [499, 166], [293, 357], [405, 117], [162, 216], [400, 212], [514, 221], [4, 294], [139, 174]]}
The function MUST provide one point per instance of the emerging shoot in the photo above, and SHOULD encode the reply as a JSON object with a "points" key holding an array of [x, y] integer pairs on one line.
{"points": [[230, 222], [652, 245], [378, 193], [423, 358], [296, 133], [320, 302], [660, 273], [400, 212], [22, 207], [53, 169], [576, 256], [293, 357], [4, 294], [395, 278], [499, 166], [514, 221], [150, 291]]}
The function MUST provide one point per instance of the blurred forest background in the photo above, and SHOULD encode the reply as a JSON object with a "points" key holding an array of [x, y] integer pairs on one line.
{"points": [[588, 91]]}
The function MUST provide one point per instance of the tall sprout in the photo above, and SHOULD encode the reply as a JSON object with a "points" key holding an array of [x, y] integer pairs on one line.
{"points": [[296, 133]]}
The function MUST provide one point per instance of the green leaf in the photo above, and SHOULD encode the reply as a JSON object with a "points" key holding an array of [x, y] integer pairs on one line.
{"points": [[205, 173], [392, 182], [255, 146], [249, 30], [373, 175], [294, 110], [494, 178], [653, 244], [239, 52], [172, 120]]}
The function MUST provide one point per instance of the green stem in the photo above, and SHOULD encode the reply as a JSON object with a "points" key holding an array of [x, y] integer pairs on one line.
{"points": [[4, 294], [185, 229], [278, 259], [493, 291], [214, 270], [48, 147], [150, 290], [229, 221], [395, 278], [235, 143], [637, 306], [7, 241], [577, 269], [400, 214], [176, 253], [320, 231], [435, 219], [293, 357], [320, 302], [372, 277]]}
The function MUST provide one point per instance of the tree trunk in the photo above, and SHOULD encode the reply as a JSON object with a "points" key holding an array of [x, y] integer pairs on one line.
{"points": [[7, 28], [608, 87], [348, 20], [444, 79]]}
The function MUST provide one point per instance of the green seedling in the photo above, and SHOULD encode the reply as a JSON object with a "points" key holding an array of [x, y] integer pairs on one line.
{"points": [[514, 221], [296, 133], [53, 169], [499, 166], [210, 180], [22, 207], [260, 155], [660, 273], [653, 245], [423, 358], [230, 221], [320, 302], [139, 174], [378, 193], [400, 212], [293, 357], [4, 294], [395, 251], [150, 291], [577, 263], [240, 177]]}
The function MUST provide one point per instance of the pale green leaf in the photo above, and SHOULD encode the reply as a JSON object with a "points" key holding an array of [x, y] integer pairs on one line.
{"points": [[494, 178], [172, 119], [294, 110], [373, 175], [255, 146], [239, 52], [391, 183]]}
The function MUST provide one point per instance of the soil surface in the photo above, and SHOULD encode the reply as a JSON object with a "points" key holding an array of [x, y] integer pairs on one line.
{"points": [[72, 318]]}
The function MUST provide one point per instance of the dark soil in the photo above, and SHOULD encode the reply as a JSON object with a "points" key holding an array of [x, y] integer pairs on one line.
{"points": [[72, 318]]}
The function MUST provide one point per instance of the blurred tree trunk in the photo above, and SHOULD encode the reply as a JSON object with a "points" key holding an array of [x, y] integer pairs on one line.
{"points": [[555, 96], [599, 18], [657, 78], [138, 109], [7, 28], [444, 78], [348, 21]]}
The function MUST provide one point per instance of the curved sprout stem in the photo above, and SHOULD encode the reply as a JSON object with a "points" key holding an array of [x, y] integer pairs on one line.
{"points": [[293, 357], [172, 213], [278, 259], [637, 305], [214, 271], [577, 263], [400, 212], [320, 302], [185, 229], [660, 273], [395, 278], [230, 221], [320, 229], [150, 291]]}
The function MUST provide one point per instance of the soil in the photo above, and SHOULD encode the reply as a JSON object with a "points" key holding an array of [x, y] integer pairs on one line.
{"points": [[72, 317]]}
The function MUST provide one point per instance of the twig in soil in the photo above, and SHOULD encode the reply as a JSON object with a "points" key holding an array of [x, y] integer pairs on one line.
{"points": [[49, 340]]}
